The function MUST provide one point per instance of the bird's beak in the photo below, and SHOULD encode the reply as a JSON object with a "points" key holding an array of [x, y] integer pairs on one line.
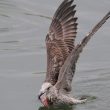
{"points": [[45, 102], [43, 99], [39, 96]]}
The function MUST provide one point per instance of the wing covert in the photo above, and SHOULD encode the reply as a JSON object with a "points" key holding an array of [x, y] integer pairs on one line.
{"points": [[60, 39]]}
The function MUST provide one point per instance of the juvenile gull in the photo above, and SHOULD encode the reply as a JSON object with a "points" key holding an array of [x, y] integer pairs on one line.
{"points": [[62, 55]]}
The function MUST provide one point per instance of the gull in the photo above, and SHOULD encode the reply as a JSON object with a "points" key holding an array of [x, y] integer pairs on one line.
{"points": [[63, 54]]}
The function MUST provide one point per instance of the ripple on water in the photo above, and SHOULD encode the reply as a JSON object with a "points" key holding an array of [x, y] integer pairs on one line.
{"points": [[23, 26], [58, 107]]}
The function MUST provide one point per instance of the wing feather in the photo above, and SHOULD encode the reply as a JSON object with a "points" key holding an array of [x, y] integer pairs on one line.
{"points": [[68, 69], [60, 39]]}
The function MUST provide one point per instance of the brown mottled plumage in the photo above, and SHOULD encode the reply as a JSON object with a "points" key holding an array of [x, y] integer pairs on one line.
{"points": [[60, 39], [62, 55]]}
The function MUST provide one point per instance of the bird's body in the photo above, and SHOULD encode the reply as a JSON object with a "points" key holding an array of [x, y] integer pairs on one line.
{"points": [[62, 55]]}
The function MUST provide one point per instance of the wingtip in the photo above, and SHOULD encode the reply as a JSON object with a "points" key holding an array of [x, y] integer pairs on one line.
{"points": [[108, 14], [70, 1], [64, 4]]}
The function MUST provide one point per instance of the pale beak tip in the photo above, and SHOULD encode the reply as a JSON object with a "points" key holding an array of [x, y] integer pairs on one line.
{"points": [[45, 102]]}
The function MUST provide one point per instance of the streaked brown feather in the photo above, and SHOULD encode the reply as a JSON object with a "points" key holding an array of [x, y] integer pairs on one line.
{"points": [[68, 69], [65, 4], [60, 39]]}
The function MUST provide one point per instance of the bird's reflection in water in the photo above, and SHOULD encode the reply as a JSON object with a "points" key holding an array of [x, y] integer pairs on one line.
{"points": [[58, 107]]}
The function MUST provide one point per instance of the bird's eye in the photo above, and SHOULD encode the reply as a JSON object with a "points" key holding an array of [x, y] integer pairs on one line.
{"points": [[48, 88]]}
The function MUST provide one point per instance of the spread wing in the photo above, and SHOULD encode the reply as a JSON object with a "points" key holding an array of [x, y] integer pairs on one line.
{"points": [[68, 69], [60, 39]]}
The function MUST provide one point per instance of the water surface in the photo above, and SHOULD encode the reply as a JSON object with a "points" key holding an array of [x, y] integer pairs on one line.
{"points": [[23, 27]]}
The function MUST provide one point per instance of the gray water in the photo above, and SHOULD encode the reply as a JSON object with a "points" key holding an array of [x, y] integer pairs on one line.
{"points": [[23, 27]]}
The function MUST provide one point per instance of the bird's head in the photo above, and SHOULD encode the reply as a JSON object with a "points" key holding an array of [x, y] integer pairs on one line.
{"points": [[43, 93]]}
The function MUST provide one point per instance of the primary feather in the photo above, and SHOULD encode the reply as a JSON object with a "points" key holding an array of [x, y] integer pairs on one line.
{"points": [[60, 39]]}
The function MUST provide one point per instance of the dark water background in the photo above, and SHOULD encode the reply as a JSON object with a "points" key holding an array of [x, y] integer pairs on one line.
{"points": [[23, 27]]}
